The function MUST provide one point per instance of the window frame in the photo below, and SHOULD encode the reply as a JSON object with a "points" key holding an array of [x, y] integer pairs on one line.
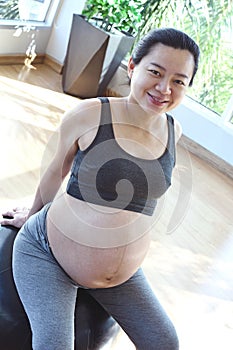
{"points": [[49, 18], [228, 113]]}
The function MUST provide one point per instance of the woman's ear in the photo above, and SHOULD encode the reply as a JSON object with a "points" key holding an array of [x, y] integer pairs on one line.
{"points": [[131, 67]]}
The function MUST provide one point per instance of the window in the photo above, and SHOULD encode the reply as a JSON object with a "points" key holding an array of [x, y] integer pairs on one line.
{"points": [[26, 10]]}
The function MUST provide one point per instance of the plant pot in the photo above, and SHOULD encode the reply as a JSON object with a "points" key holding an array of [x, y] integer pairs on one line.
{"points": [[92, 58]]}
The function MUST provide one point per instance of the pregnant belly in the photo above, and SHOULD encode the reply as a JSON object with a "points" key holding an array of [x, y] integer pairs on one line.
{"points": [[93, 265]]}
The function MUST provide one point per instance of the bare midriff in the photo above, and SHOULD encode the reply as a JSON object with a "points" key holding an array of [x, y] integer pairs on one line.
{"points": [[97, 247]]}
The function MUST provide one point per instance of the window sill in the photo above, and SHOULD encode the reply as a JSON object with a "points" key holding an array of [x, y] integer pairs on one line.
{"points": [[13, 24]]}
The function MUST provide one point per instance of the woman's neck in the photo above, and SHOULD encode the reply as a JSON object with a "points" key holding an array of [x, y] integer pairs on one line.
{"points": [[137, 116]]}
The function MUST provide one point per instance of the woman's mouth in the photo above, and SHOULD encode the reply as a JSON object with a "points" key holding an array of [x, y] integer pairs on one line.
{"points": [[157, 100]]}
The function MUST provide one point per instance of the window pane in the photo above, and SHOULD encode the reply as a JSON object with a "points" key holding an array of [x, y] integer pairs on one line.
{"points": [[9, 9], [28, 10]]}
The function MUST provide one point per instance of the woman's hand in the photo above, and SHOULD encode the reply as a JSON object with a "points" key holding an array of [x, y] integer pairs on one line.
{"points": [[15, 217]]}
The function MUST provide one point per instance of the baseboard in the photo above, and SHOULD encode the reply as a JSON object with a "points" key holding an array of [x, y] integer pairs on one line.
{"points": [[52, 63], [201, 152], [18, 59]]}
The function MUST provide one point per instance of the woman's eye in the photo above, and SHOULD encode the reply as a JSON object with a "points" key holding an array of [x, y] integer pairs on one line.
{"points": [[179, 82], [155, 72]]}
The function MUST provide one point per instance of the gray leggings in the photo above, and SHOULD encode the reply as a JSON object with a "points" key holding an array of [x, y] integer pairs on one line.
{"points": [[49, 296]]}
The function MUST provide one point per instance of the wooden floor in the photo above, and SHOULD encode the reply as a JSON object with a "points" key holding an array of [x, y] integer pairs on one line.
{"points": [[190, 263]]}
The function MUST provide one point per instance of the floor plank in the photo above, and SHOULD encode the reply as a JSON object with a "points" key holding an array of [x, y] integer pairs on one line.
{"points": [[190, 263]]}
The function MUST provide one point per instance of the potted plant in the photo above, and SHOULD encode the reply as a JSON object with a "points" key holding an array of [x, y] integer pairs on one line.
{"points": [[100, 38], [120, 14]]}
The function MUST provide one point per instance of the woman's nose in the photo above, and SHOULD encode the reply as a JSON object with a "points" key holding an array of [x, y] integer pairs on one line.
{"points": [[163, 86]]}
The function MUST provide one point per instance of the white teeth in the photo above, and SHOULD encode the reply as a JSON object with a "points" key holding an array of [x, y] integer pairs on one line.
{"points": [[157, 100]]}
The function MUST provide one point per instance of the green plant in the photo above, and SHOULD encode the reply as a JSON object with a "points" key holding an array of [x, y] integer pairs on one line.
{"points": [[122, 15], [9, 9]]}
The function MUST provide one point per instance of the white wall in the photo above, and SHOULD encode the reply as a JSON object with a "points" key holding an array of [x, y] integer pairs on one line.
{"points": [[9, 44], [59, 38], [205, 128]]}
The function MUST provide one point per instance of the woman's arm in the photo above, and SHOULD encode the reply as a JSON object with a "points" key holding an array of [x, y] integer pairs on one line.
{"points": [[48, 186], [75, 123], [47, 189], [55, 173]]}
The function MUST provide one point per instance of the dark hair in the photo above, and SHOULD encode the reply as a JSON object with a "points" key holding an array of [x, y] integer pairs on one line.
{"points": [[169, 37]]}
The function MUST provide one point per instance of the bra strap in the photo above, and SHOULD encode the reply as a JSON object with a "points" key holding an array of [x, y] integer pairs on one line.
{"points": [[171, 137], [105, 127], [106, 115]]}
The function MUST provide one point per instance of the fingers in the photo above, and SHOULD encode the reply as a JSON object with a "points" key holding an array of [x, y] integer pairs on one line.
{"points": [[7, 219], [19, 209], [16, 222], [15, 217], [5, 222], [8, 213], [14, 211]]}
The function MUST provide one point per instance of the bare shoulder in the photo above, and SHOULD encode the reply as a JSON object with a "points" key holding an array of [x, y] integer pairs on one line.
{"points": [[85, 115], [83, 111], [82, 119]]}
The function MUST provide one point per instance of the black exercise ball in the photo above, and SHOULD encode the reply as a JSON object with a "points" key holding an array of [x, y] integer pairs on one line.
{"points": [[94, 327]]}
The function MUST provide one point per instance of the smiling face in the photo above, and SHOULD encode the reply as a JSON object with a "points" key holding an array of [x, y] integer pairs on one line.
{"points": [[161, 79]]}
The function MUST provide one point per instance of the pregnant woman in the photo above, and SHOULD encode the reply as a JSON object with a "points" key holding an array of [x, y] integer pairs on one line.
{"points": [[120, 153]]}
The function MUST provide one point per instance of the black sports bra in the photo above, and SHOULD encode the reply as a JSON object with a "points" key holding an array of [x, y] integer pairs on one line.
{"points": [[107, 175]]}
